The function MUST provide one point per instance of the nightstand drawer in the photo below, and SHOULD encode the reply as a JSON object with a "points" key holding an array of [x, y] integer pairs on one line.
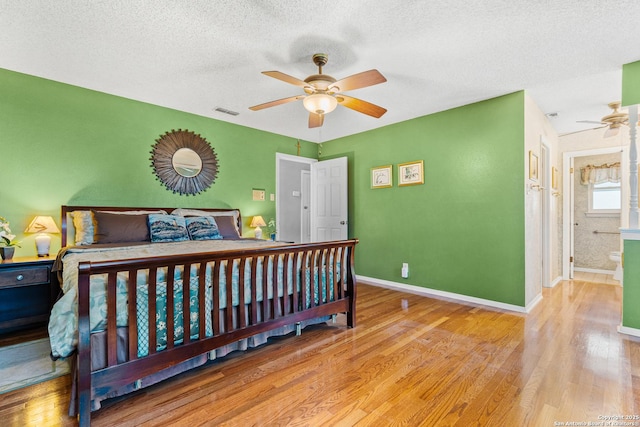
{"points": [[10, 277]]}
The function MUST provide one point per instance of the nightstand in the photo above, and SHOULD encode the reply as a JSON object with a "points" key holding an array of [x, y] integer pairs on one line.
{"points": [[26, 292]]}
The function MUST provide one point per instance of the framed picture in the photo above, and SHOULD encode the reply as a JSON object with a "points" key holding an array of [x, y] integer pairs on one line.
{"points": [[554, 178], [382, 177], [411, 173], [533, 166]]}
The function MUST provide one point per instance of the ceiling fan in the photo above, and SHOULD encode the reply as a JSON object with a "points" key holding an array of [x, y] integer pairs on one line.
{"points": [[324, 93], [614, 120]]}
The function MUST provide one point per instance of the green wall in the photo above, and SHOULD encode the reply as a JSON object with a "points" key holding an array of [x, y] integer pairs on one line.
{"points": [[463, 230], [631, 281], [631, 84], [61, 144]]}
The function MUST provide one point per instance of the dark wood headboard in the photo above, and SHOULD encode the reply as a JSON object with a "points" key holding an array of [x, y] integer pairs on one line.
{"points": [[67, 209]]}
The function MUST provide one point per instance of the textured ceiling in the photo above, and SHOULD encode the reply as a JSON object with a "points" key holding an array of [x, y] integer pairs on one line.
{"points": [[196, 55]]}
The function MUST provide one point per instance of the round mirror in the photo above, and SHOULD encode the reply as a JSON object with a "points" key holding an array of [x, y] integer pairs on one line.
{"points": [[186, 162]]}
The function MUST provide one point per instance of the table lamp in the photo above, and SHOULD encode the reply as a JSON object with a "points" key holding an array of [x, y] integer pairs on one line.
{"points": [[258, 222], [43, 225]]}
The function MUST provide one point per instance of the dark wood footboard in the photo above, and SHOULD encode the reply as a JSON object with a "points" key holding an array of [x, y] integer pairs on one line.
{"points": [[322, 280]]}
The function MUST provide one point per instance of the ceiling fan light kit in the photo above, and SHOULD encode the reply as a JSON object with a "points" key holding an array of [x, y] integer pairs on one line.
{"points": [[320, 103], [323, 92]]}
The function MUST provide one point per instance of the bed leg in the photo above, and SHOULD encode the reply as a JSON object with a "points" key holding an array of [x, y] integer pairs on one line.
{"points": [[298, 329]]}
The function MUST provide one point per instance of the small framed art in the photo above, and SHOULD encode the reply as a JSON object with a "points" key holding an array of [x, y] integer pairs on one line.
{"points": [[411, 173], [382, 177], [533, 166]]}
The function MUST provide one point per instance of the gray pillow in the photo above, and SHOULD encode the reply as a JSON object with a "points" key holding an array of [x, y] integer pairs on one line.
{"points": [[116, 228]]}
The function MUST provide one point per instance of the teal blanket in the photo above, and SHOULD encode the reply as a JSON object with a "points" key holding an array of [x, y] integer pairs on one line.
{"points": [[63, 322]]}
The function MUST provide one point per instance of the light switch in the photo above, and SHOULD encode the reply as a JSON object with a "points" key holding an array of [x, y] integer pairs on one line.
{"points": [[296, 193], [273, 197]]}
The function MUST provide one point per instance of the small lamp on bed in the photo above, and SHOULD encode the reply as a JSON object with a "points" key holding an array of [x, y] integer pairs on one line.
{"points": [[43, 225], [258, 222]]}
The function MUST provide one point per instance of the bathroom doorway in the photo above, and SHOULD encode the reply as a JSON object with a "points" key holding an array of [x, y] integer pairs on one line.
{"points": [[590, 232]]}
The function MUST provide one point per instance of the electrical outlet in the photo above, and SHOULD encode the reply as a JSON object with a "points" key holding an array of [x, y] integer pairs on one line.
{"points": [[405, 270]]}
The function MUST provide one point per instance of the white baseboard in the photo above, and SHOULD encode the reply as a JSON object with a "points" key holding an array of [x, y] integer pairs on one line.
{"points": [[419, 290], [593, 270], [556, 281], [533, 303], [629, 331]]}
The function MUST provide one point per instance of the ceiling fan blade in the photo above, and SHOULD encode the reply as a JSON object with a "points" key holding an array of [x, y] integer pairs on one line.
{"points": [[589, 121], [361, 106], [315, 120], [276, 102], [286, 78], [357, 81]]}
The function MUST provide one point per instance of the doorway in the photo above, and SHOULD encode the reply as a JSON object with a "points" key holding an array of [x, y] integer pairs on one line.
{"points": [[311, 199], [290, 193], [579, 231]]}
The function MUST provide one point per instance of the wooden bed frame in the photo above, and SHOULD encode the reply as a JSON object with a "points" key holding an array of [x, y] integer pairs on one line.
{"points": [[262, 316]]}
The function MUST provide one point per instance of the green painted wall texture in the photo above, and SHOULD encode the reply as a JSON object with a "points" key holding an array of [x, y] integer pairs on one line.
{"points": [[463, 230], [631, 83], [61, 144], [631, 280], [631, 288]]}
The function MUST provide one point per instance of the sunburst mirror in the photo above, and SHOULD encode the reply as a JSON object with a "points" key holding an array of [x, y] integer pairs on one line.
{"points": [[184, 162]]}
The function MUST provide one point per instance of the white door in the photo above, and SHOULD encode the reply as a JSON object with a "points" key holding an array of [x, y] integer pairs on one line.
{"points": [[305, 214], [329, 200]]}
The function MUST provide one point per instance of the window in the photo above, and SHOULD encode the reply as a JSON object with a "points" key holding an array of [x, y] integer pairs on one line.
{"points": [[604, 199]]}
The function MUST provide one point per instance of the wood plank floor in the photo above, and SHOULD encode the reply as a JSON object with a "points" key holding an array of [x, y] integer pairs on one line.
{"points": [[411, 360]]}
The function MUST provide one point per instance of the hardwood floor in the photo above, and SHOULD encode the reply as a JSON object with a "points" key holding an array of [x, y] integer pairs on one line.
{"points": [[595, 277], [25, 335], [411, 360]]}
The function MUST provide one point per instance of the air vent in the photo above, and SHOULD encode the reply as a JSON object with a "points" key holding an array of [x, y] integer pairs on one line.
{"points": [[224, 110]]}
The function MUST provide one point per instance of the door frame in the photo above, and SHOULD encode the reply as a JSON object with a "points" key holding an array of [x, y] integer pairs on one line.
{"points": [[289, 158], [567, 190], [546, 207], [305, 217]]}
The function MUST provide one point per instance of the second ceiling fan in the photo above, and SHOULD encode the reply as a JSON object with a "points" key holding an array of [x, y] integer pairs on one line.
{"points": [[324, 93], [614, 121]]}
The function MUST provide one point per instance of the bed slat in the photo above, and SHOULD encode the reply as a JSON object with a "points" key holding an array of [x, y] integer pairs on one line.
{"points": [[151, 313], [132, 312], [170, 307]]}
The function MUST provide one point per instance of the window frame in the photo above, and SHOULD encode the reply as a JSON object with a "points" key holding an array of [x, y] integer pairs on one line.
{"points": [[592, 212]]}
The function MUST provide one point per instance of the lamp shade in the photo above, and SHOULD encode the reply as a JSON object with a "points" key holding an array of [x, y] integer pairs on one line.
{"points": [[257, 221], [320, 103], [42, 224]]}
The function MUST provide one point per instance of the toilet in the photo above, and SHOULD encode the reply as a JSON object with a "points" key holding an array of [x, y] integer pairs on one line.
{"points": [[617, 258]]}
